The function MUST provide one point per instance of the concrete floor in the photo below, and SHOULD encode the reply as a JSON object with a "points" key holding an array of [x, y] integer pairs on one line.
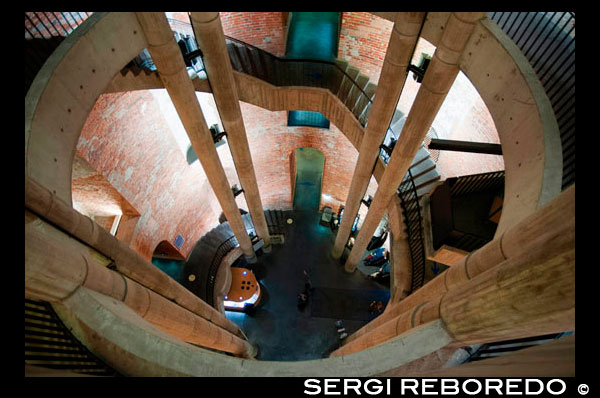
{"points": [[283, 332]]}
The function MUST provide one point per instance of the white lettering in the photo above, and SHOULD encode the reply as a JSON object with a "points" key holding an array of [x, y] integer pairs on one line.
{"points": [[377, 389], [489, 386], [564, 387], [331, 383], [355, 387], [471, 392], [309, 384], [454, 387], [428, 383], [539, 383], [404, 387], [510, 384]]}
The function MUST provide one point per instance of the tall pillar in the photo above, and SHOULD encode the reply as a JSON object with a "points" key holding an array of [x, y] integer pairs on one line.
{"points": [[49, 206], [173, 73], [525, 295], [403, 40], [56, 265], [438, 80], [211, 40], [550, 229]]}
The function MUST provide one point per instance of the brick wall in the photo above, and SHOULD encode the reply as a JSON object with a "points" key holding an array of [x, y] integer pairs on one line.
{"points": [[130, 139], [126, 138], [265, 30], [46, 24], [272, 143], [363, 42]]}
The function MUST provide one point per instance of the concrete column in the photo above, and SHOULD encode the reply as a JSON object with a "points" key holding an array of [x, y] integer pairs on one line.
{"points": [[551, 230], [438, 80], [56, 265], [211, 40], [528, 295], [173, 73], [49, 206], [403, 40]]}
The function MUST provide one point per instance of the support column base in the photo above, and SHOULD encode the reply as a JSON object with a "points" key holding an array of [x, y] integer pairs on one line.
{"points": [[252, 352], [351, 271]]}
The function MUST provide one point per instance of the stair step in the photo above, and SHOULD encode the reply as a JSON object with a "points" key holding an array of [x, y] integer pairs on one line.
{"points": [[426, 178], [422, 167], [425, 189], [363, 101], [355, 91], [421, 156], [270, 68], [397, 123], [256, 63], [235, 56], [397, 116], [338, 75], [347, 82]]}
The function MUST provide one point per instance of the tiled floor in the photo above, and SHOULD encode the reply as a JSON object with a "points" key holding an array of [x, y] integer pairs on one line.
{"points": [[283, 332]]}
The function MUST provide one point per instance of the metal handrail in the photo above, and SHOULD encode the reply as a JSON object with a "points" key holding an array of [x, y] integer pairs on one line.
{"points": [[224, 248], [407, 192], [305, 60], [286, 60]]}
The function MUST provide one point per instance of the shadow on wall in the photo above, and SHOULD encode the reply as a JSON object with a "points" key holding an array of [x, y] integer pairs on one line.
{"points": [[309, 177]]}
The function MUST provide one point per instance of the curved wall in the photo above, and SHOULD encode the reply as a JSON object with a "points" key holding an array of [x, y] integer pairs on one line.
{"points": [[127, 138], [509, 91]]}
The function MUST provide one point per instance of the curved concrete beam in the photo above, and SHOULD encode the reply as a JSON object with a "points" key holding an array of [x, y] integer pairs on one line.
{"points": [[66, 89], [82, 67], [132, 346]]}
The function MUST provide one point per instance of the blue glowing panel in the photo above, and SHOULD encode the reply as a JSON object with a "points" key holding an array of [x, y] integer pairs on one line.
{"points": [[306, 118]]}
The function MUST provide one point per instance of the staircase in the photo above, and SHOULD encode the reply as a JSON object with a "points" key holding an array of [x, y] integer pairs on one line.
{"points": [[275, 223], [352, 88], [201, 266]]}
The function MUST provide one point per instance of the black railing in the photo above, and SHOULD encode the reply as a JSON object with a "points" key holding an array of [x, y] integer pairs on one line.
{"points": [[224, 248], [547, 39], [412, 218], [496, 349], [251, 60], [476, 183], [246, 58], [50, 344]]}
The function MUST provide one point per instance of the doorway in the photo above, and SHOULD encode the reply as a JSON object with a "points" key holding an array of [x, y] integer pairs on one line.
{"points": [[308, 180]]}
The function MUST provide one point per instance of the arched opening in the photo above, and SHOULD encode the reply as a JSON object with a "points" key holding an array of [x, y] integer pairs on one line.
{"points": [[309, 177], [167, 258]]}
